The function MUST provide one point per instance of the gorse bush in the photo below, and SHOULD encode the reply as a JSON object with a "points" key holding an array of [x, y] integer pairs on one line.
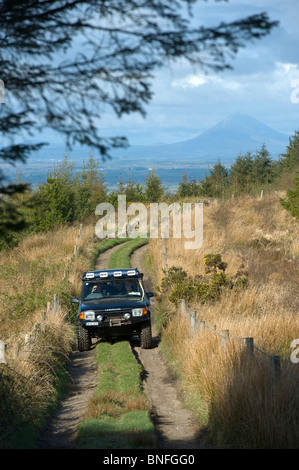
{"points": [[178, 285], [214, 262]]}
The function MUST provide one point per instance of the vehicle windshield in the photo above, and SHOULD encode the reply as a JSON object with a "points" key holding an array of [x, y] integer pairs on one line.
{"points": [[96, 290]]}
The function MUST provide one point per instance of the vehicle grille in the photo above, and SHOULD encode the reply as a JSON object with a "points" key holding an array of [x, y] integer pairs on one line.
{"points": [[112, 315]]}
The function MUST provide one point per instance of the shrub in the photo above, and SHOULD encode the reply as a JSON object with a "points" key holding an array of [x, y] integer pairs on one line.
{"points": [[178, 285], [214, 262]]}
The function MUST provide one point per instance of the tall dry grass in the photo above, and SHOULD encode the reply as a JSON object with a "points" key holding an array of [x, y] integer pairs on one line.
{"points": [[30, 275], [37, 347], [84, 259], [236, 394], [258, 238], [237, 228]]}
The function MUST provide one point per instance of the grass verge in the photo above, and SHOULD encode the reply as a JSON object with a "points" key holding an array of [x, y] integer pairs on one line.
{"points": [[106, 244], [118, 414], [121, 257]]}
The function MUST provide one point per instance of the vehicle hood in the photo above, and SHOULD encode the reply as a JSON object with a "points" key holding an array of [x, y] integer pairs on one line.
{"points": [[109, 304]]}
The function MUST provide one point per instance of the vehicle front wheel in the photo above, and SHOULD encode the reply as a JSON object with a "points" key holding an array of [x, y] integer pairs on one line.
{"points": [[84, 339], [146, 335]]}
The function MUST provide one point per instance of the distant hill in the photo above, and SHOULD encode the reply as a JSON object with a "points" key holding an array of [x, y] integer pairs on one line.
{"points": [[237, 133]]}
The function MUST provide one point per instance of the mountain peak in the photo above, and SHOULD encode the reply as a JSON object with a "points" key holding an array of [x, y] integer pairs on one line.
{"points": [[239, 121], [238, 133]]}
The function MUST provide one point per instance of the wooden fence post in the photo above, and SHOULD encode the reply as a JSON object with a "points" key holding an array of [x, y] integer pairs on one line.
{"points": [[80, 232], [48, 308], [249, 346], [2, 352], [16, 350], [193, 323], [276, 367], [56, 303], [225, 333], [183, 307], [164, 256]]}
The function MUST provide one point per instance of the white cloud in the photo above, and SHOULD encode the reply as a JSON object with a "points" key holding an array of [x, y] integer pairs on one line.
{"points": [[195, 81], [227, 84], [287, 70], [190, 81]]}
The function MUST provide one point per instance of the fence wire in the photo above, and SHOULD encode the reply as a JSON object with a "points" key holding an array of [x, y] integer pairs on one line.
{"points": [[185, 309]]}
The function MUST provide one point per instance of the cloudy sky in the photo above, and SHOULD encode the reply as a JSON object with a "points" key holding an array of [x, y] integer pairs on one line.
{"points": [[264, 82]]}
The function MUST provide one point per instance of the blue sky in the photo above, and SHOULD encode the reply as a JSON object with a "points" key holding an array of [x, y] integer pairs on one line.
{"points": [[187, 102]]}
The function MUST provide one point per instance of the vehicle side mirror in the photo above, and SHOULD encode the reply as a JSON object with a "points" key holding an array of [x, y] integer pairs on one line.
{"points": [[74, 300], [150, 294]]}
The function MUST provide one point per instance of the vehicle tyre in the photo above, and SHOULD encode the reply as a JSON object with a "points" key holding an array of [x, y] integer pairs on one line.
{"points": [[84, 340], [146, 335]]}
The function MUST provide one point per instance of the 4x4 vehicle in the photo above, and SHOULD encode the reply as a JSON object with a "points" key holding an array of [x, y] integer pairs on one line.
{"points": [[113, 303]]}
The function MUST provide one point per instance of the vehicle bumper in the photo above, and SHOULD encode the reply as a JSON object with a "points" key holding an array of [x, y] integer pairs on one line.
{"points": [[114, 326]]}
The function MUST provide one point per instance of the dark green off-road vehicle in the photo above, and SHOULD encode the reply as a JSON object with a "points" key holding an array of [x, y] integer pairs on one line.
{"points": [[113, 303]]}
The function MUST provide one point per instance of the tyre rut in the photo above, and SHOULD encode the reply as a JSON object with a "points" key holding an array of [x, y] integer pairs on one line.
{"points": [[176, 427], [82, 368]]}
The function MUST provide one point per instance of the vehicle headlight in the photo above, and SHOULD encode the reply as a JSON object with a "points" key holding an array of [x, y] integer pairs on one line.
{"points": [[138, 312], [89, 315]]}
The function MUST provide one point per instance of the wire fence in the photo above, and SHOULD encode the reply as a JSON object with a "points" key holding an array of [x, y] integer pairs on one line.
{"points": [[24, 346], [197, 325]]}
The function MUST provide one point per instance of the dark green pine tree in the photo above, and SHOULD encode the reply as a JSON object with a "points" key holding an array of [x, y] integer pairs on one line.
{"points": [[183, 189], [220, 179], [215, 183], [154, 189], [289, 161], [291, 203], [241, 172], [90, 189], [55, 199], [262, 167]]}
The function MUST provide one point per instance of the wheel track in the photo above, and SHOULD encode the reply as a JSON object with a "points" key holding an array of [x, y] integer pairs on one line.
{"points": [[82, 368], [176, 427]]}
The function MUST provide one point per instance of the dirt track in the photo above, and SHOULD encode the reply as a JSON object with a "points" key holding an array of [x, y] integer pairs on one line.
{"points": [[175, 426], [64, 425]]}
